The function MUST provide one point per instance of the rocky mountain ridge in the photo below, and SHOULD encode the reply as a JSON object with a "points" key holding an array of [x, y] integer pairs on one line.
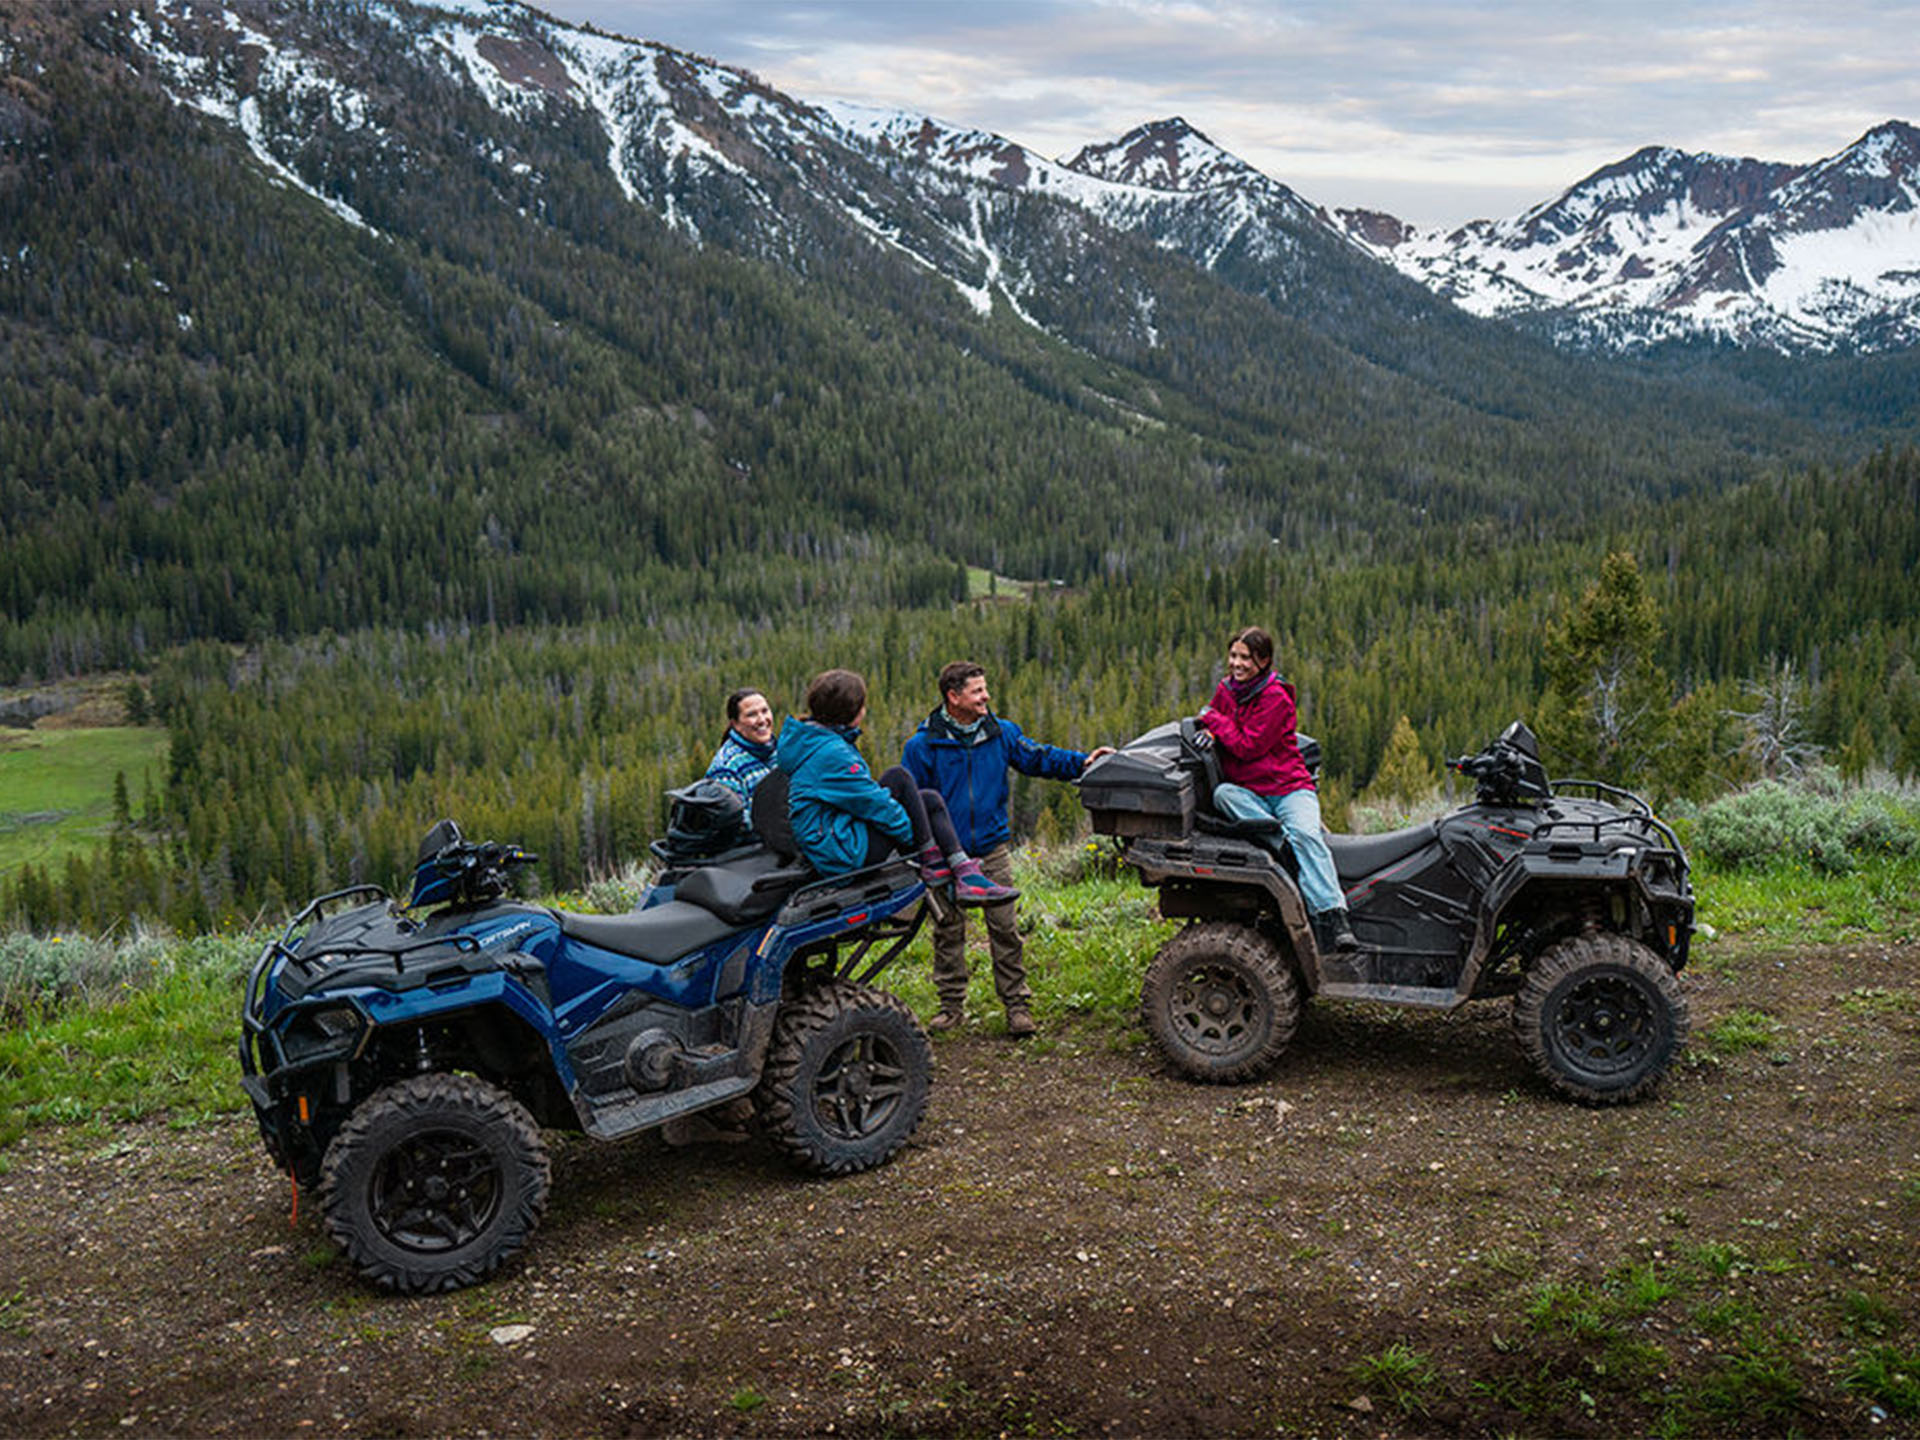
{"points": [[1661, 246], [1666, 244]]}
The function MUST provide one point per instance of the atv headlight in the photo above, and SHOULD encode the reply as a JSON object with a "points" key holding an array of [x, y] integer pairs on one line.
{"points": [[329, 1032]]}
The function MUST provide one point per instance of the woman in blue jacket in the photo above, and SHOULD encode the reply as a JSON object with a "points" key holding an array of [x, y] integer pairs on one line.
{"points": [[843, 819]]}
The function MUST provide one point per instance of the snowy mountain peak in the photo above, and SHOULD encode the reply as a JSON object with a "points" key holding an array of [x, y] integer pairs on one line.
{"points": [[928, 141], [1163, 155], [1665, 244], [1654, 187]]}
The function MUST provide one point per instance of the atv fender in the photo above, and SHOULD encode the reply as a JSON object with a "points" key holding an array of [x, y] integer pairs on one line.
{"points": [[1616, 873], [1202, 862]]}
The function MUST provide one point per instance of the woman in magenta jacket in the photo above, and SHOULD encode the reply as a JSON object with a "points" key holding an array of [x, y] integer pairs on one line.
{"points": [[1251, 719]]}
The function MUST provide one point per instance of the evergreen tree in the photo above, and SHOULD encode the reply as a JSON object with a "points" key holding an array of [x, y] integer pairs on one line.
{"points": [[1606, 715], [1405, 776]]}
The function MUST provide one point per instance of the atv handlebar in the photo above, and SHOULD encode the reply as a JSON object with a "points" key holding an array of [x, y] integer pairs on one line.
{"points": [[465, 855], [1505, 774]]}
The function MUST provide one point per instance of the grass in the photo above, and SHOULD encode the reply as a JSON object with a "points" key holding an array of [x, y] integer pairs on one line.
{"points": [[982, 584], [1596, 1339], [1791, 903], [1406, 1377], [56, 787], [161, 1043], [1087, 943], [1739, 1030], [1889, 1377]]}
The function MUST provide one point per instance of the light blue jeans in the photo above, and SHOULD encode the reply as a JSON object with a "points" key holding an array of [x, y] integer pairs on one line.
{"points": [[1299, 817]]}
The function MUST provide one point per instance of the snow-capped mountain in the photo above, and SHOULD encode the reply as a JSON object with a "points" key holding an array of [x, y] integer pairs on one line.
{"points": [[723, 158], [1665, 244], [1661, 245]]}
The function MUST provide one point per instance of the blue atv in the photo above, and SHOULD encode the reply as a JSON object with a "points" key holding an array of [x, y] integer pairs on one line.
{"points": [[403, 1060]]}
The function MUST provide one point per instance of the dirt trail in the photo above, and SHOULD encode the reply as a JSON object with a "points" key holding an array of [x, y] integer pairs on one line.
{"points": [[1077, 1244]]}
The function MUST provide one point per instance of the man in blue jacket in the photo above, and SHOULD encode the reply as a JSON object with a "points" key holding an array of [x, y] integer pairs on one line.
{"points": [[964, 750]]}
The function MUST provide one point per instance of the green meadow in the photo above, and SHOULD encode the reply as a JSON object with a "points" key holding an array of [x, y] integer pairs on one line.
{"points": [[56, 787]]}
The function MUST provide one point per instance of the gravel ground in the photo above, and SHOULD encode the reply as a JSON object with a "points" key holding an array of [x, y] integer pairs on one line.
{"points": [[1076, 1243]]}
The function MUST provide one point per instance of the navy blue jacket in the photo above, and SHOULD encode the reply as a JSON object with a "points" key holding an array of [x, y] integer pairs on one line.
{"points": [[832, 796], [972, 777]]}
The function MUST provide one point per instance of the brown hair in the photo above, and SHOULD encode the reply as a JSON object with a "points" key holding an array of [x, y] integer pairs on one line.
{"points": [[739, 698], [955, 675], [1258, 642], [836, 696]]}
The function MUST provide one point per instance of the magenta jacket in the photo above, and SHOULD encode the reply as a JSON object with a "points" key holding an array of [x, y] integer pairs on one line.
{"points": [[1256, 740]]}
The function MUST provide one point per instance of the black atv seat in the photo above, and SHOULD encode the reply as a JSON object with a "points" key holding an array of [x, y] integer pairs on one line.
{"points": [[745, 891], [1214, 823], [1356, 856], [659, 935]]}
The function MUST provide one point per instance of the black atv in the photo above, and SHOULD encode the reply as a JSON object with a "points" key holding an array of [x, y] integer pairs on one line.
{"points": [[1569, 896]]}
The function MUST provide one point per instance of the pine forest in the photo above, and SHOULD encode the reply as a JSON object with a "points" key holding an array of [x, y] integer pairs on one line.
{"points": [[481, 508]]}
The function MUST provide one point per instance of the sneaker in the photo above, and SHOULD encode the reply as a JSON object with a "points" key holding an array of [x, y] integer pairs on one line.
{"points": [[951, 1017], [973, 886], [934, 869], [1020, 1023]]}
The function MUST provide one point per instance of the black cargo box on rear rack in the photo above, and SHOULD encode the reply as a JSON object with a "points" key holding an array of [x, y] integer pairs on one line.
{"points": [[1144, 789]]}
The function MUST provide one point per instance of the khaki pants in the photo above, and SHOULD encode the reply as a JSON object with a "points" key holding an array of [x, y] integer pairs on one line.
{"points": [[1003, 941]]}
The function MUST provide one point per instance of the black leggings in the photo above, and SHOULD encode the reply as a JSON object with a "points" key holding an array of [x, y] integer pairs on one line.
{"points": [[926, 808]]}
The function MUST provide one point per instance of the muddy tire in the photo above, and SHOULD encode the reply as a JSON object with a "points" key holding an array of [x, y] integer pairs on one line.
{"points": [[434, 1183], [1601, 1017], [847, 1078], [1221, 1002]]}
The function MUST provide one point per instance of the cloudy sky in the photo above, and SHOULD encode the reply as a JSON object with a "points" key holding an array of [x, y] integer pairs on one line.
{"points": [[1435, 112]]}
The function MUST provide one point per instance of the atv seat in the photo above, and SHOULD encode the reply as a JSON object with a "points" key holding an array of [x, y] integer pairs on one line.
{"points": [[658, 935], [1357, 856], [1212, 822], [746, 891]]}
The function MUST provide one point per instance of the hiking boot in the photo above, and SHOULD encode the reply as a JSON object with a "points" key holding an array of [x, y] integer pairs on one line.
{"points": [[1343, 936], [1331, 931], [950, 1017], [1020, 1023], [973, 886], [934, 869]]}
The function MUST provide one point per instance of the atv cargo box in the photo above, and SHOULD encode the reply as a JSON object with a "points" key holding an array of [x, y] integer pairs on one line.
{"points": [[1143, 790]]}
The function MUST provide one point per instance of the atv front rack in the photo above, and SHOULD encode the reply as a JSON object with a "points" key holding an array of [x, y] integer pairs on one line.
{"points": [[287, 946], [1640, 817]]}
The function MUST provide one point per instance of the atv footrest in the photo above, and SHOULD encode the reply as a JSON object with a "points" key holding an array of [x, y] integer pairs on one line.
{"points": [[635, 1113], [690, 1070], [1421, 996]]}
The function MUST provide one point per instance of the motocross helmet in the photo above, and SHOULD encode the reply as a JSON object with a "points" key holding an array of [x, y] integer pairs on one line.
{"points": [[705, 819]]}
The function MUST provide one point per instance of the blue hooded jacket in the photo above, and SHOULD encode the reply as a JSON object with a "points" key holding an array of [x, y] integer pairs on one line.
{"points": [[832, 796], [970, 772]]}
